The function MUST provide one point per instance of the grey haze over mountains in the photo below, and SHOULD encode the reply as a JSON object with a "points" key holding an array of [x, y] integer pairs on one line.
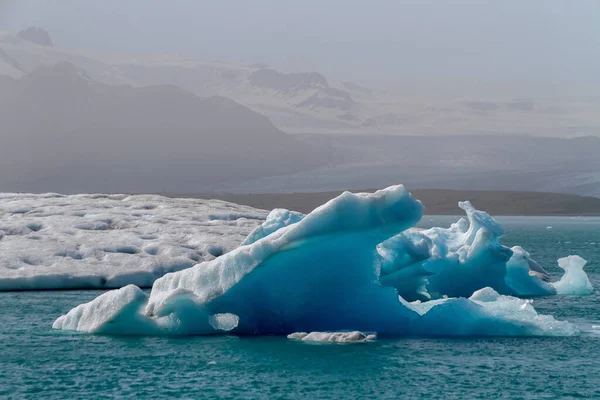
{"points": [[309, 102], [85, 121], [498, 162], [63, 131]]}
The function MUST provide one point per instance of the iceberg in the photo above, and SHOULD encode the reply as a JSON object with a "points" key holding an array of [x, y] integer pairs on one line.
{"points": [[456, 261], [322, 273], [53, 241]]}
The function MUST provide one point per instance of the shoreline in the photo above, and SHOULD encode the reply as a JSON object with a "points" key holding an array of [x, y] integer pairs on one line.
{"points": [[436, 201]]}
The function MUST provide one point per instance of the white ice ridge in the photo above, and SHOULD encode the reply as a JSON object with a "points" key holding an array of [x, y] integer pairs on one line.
{"points": [[319, 274], [53, 241]]}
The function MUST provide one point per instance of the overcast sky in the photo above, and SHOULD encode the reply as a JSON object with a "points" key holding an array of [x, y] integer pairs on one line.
{"points": [[535, 43]]}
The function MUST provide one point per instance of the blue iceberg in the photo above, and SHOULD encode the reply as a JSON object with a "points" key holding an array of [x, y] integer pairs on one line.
{"points": [[353, 264]]}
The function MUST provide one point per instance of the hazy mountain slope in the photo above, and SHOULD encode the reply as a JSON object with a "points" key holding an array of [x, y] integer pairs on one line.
{"points": [[456, 162], [293, 100], [63, 131]]}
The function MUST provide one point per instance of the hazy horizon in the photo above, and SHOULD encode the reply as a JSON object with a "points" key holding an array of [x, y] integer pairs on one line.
{"points": [[509, 47]]}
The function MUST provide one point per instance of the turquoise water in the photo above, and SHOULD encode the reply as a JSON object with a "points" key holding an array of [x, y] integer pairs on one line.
{"points": [[36, 361]]}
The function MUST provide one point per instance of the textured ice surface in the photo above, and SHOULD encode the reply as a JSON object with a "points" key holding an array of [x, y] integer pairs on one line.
{"points": [[333, 337], [574, 281], [321, 274], [53, 241]]}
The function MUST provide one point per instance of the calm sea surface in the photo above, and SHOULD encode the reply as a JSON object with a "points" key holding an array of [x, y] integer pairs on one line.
{"points": [[38, 362]]}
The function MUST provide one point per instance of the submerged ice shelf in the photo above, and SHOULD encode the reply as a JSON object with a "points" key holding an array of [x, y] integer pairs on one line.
{"points": [[342, 268], [53, 241]]}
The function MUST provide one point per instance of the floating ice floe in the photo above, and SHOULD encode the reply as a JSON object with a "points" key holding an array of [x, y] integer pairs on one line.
{"points": [[574, 281], [53, 241], [333, 337], [326, 273]]}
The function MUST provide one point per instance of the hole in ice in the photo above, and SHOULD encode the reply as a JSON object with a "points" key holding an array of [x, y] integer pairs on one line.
{"points": [[20, 211], [28, 261], [152, 250], [93, 226], [216, 251], [148, 237], [122, 249], [75, 255], [34, 226], [146, 207]]}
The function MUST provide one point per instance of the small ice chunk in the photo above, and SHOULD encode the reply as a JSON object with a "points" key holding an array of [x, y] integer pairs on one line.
{"points": [[333, 337], [575, 281], [224, 322]]}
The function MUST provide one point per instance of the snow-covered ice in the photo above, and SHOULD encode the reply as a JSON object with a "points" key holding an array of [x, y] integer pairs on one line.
{"points": [[321, 273], [52, 241]]}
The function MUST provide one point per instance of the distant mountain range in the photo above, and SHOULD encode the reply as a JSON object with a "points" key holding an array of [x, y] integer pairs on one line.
{"points": [[309, 102]]}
